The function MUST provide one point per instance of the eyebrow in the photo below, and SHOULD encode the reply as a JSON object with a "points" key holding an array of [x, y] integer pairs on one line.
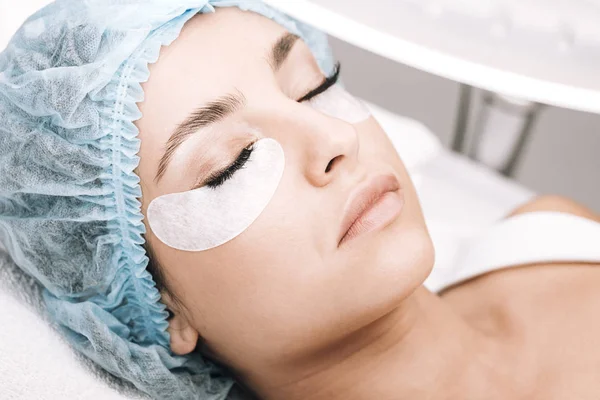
{"points": [[281, 50], [219, 109]]}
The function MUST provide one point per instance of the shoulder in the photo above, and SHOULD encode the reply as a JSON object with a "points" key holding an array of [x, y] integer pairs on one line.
{"points": [[556, 203]]}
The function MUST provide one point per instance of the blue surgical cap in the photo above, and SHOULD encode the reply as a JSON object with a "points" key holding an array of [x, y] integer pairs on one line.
{"points": [[70, 214]]}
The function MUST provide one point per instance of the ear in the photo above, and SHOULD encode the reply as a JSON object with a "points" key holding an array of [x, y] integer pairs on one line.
{"points": [[184, 336]]}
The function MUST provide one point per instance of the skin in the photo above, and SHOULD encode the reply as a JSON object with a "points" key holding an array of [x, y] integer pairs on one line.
{"points": [[294, 315]]}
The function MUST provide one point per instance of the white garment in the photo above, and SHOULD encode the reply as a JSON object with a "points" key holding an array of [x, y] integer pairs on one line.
{"points": [[536, 237]]}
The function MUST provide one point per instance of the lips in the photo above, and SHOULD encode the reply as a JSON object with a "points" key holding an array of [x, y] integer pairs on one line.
{"points": [[364, 197]]}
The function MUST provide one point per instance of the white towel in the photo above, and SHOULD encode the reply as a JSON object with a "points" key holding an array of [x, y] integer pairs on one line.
{"points": [[35, 361]]}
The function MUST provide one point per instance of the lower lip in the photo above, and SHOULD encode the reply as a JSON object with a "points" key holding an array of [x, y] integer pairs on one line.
{"points": [[385, 210]]}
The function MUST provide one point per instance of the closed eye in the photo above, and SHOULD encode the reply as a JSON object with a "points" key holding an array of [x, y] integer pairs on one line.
{"points": [[220, 177], [326, 84]]}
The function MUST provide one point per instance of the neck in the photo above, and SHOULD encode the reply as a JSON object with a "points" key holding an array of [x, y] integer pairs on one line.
{"points": [[422, 349]]}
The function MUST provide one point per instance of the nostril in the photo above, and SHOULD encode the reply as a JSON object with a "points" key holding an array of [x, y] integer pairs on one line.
{"points": [[330, 165]]}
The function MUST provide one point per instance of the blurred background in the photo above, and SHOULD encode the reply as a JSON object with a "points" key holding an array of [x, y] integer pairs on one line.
{"points": [[561, 157]]}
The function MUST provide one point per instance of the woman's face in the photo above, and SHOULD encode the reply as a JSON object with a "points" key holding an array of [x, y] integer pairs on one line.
{"points": [[283, 287]]}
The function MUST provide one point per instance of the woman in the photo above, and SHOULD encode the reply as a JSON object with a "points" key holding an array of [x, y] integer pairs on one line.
{"points": [[289, 294]]}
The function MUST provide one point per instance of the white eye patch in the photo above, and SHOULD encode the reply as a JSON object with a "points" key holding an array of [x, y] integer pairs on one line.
{"points": [[207, 217], [338, 103]]}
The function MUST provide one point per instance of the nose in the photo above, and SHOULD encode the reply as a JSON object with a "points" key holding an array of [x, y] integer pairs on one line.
{"points": [[329, 147]]}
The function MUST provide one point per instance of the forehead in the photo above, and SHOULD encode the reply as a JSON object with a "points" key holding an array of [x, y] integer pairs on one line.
{"points": [[215, 54]]}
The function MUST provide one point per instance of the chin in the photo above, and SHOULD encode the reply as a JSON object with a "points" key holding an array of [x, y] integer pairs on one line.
{"points": [[405, 254]]}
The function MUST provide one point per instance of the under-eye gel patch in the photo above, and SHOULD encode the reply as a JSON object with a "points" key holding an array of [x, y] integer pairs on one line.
{"points": [[204, 218], [338, 103]]}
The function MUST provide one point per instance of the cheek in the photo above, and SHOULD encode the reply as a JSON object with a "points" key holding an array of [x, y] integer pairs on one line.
{"points": [[258, 293], [271, 278]]}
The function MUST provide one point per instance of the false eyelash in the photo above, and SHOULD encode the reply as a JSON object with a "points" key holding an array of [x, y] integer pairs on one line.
{"points": [[226, 174], [327, 83]]}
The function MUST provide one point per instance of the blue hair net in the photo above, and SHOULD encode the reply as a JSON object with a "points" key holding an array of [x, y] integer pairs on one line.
{"points": [[69, 209]]}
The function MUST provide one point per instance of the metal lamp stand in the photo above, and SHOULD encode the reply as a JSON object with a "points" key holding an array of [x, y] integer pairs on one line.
{"points": [[502, 128]]}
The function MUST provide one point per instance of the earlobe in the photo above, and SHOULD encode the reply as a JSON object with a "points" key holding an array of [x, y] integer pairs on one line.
{"points": [[184, 337]]}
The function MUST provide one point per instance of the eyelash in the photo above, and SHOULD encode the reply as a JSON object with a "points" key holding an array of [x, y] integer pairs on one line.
{"points": [[221, 177], [326, 84]]}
